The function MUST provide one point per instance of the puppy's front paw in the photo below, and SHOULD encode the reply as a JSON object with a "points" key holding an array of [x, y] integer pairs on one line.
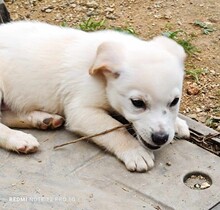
{"points": [[137, 159], [182, 129], [22, 142]]}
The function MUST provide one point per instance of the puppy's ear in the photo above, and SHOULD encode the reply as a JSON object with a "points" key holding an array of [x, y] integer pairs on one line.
{"points": [[108, 60], [171, 46]]}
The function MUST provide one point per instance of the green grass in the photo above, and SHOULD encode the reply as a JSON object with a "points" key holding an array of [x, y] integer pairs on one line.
{"points": [[206, 28], [93, 25], [64, 24], [183, 39], [212, 122], [195, 73], [128, 30]]}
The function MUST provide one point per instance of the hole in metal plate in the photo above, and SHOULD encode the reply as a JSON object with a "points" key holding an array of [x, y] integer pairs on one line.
{"points": [[197, 180]]}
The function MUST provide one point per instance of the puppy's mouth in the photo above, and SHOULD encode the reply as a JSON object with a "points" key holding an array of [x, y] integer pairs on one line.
{"points": [[131, 129], [133, 132], [149, 146]]}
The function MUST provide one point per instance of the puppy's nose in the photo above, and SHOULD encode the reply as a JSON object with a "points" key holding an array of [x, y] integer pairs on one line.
{"points": [[159, 138]]}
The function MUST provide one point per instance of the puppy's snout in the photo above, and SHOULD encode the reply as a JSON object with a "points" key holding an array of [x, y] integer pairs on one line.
{"points": [[159, 138]]}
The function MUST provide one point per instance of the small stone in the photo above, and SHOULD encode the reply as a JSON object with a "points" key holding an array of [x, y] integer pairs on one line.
{"points": [[33, 2], [192, 90], [202, 119], [110, 16], [48, 10], [92, 4], [168, 163], [197, 186], [198, 110], [73, 5], [179, 23], [168, 15], [213, 72], [205, 185], [58, 16], [109, 10], [91, 12]]}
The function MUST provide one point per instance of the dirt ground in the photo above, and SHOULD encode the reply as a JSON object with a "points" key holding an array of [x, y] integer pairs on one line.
{"points": [[201, 94]]}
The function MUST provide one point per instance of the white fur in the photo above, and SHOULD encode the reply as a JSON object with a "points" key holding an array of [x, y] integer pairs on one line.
{"points": [[83, 76]]}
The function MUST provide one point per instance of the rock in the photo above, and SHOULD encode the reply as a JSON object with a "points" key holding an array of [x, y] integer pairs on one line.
{"points": [[168, 163], [47, 9], [33, 2], [92, 12], [205, 185], [92, 4], [192, 89], [197, 186], [110, 16], [73, 5], [179, 23], [109, 10], [168, 15], [58, 17], [202, 119]]}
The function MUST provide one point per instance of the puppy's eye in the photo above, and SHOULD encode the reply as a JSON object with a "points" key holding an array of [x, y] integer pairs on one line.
{"points": [[174, 102], [138, 103]]}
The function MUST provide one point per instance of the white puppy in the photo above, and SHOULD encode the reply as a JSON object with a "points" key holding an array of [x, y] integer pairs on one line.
{"points": [[47, 72]]}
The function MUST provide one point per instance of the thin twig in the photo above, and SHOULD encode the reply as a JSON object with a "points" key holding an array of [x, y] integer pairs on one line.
{"points": [[210, 136], [91, 136], [206, 141]]}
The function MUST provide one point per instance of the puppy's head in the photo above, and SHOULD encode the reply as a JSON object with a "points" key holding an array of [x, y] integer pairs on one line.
{"points": [[144, 84]]}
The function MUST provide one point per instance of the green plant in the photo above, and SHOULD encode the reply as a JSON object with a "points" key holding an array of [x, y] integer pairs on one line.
{"points": [[206, 28], [184, 40], [168, 26], [92, 25], [64, 24], [128, 30], [212, 122], [195, 73]]}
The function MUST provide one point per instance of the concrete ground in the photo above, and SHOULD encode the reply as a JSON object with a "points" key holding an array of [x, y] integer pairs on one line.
{"points": [[83, 177]]}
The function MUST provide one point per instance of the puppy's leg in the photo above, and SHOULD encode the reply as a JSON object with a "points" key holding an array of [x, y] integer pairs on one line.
{"points": [[35, 119], [181, 128], [17, 141], [88, 121]]}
